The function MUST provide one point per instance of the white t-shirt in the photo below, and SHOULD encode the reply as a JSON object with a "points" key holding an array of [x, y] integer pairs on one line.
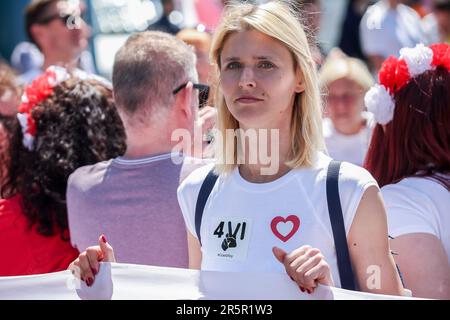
{"points": [[384, 31], [351, 148], [418, 205], [289, 212]]}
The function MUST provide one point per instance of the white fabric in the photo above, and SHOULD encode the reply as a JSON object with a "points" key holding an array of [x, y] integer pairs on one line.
{"points": [[137, 282], [418, 205], [351, 148], [384, 31], [299, 193], [431, 29]]}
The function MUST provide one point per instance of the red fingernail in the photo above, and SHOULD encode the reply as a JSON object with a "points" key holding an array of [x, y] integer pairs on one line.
{"points": [[309, 292], [89, 282], [94, 271], [303, 290], [103, 239]]}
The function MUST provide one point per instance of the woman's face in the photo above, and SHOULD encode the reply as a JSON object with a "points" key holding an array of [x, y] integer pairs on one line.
{"points": [[345, 102], [258, 80]]}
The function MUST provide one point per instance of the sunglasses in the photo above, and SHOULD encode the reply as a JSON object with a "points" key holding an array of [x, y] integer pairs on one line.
{"points": [[203, 92], [67, 19]]}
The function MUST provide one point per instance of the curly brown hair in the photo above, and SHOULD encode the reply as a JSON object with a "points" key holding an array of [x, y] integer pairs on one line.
{"points": [[77, 125]]}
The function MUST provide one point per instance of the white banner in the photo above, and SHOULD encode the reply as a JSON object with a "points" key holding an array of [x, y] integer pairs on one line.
{"points": [[136, 282]]}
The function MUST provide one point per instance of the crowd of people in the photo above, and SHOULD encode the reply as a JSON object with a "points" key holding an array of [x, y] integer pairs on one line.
{"points": [[362, 163]]}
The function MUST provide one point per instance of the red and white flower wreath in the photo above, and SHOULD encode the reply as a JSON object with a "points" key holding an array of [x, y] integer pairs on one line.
{"points": [[39, 90], [396, 73]]}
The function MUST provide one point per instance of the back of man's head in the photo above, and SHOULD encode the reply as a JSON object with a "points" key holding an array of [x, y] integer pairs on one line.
{"points": [[36, 12], [147, 69]]}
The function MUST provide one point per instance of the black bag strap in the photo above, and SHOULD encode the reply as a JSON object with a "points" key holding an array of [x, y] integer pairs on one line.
{"points": [[205, 190], [337, 224]]}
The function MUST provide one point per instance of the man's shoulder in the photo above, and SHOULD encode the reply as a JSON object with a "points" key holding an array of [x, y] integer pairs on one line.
{"points": [[88, 176]]}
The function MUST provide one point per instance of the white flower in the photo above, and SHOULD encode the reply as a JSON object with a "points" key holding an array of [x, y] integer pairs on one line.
{"points": [[25, 98], [380, 103], [22, 117], [418, 59], [28, 139], [60, 73]]}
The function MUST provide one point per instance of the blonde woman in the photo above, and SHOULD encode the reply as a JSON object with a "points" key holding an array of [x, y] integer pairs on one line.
{"points": [[260, 221], [347, 127]]}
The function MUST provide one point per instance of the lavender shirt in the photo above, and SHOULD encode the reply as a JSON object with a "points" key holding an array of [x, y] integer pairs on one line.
{"points": [[134, 203]]}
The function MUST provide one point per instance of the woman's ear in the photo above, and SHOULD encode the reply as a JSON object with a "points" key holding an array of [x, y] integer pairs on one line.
{"points": [[300, 84]]}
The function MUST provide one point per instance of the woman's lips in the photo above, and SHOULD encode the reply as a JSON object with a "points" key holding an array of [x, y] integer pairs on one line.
{"points": [[248, 100]]}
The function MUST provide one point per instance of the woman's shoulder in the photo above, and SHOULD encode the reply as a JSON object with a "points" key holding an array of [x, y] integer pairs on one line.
{"points": [[426, 188], [348, 173], [195, 179]]}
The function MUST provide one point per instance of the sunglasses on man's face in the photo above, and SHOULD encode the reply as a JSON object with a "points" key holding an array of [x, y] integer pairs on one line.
{"points": [[203, 94], [66, 19]]}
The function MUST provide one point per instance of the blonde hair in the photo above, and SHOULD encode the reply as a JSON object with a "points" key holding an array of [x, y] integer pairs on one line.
{"points": [[278, 20], [340, 66]]}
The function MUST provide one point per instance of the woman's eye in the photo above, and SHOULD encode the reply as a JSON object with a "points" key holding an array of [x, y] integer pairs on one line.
{"points": [[233, 65], [266, 65]]}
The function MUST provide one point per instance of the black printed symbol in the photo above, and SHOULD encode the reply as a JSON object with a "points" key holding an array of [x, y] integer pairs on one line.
{"points": [[230, 240], [230, 237]]}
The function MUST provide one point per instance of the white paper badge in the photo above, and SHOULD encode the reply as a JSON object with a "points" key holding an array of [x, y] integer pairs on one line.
{"points": [[228, 238]]}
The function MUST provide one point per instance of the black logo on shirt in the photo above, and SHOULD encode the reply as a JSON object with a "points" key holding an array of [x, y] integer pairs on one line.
{"points": [[230, 240]]}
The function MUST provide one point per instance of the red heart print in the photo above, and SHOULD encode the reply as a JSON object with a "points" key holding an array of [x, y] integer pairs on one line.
{"points": [[285, 237]]}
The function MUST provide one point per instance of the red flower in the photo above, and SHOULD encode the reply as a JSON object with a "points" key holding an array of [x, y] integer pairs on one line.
{"points": [[393, 74], [402, 75], [441, 55], [24, 107]]}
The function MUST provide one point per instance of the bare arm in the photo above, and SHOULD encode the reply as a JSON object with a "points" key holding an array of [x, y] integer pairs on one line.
{"points": [[424, 265], [195, 253], [372, 261]]}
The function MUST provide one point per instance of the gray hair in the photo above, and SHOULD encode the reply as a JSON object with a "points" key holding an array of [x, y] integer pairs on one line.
{"points": [[147, 69]]}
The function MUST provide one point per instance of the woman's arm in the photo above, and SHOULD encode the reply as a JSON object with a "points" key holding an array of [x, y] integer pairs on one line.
{"points": [[195, 252], [372, 262], [424, 265]]}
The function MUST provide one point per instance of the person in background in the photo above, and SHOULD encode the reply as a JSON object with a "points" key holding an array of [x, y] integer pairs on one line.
{"points": [[347, 127], [437, 23], [201, 41], [63, 123], [164, 24], [410, 157], [386, 27], [132, 199], [59, 31], [9, 102], [350, 40]]}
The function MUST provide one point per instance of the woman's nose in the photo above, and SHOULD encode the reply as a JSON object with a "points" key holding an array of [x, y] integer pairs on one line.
{"points": [[247, 78]]}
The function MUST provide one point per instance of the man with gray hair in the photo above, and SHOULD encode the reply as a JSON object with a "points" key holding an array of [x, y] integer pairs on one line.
{"points": [[132, 199]]}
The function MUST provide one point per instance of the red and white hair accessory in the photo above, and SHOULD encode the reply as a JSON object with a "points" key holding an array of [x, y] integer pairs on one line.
{"points": [[39, 90], [396, 73]]}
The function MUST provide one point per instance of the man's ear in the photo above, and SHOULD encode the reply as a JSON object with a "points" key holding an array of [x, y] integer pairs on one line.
{"points": [[183, 102], [300, 84]]}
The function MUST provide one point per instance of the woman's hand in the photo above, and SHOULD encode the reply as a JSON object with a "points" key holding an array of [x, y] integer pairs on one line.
{"points": [[87, 264], [306, 266]]}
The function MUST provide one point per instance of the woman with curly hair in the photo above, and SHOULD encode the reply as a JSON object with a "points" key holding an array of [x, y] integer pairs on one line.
{"points": [[63, 123], [409, 155], [9, 101]]}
